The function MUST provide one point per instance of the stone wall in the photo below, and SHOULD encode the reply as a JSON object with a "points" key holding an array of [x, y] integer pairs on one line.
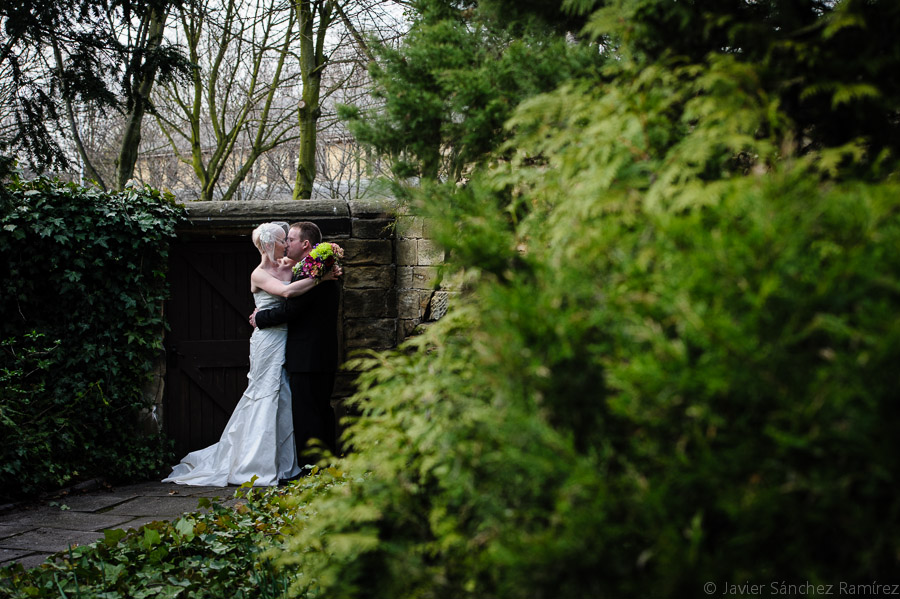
{"points": [[391, 283]]}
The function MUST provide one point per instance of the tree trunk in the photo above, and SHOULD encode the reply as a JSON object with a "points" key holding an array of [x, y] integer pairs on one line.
{"points": [[312, 61], [141, 85], [306, 161]]}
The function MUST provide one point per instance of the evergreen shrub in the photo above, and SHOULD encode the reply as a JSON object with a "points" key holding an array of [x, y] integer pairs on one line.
{"points": [[83, 282], [676, 364]]}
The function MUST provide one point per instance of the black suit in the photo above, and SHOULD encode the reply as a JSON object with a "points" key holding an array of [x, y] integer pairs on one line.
{"points": [[311, 359]]}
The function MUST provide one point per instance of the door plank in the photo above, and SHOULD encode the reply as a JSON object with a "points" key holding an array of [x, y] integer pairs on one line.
{"points": [[215, 281]]}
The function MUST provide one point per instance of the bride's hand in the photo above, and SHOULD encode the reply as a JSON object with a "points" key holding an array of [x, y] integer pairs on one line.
{"points": [[333, 274]]}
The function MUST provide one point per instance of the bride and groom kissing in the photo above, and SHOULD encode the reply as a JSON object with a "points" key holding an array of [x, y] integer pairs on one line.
{"points": [[285, 412]]}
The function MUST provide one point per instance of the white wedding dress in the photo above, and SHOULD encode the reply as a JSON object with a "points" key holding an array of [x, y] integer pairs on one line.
{"points": [[259, 437]]}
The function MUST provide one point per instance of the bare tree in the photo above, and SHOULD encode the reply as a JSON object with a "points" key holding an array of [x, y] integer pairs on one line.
{"points": [[327, 26], [253, 122], [237, 106], [345, 168]]}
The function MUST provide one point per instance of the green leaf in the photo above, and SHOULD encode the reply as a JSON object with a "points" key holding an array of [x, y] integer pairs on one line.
{"points": [[185, 527], [150, 539]]}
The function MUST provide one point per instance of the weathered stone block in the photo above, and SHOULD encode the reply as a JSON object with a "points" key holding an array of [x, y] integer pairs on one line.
{"points": [[370, 303], [409, 227], [372, 208], [424, 277], [407, 252], [427, 229], [412, 303], [370, 333], [368, 277], [429, 253], [368, 251], [367, 228], [416, 277], [405, 328], [405, 277]]}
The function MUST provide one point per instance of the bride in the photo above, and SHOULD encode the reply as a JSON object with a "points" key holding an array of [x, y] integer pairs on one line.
{"points": [[258, 439]]}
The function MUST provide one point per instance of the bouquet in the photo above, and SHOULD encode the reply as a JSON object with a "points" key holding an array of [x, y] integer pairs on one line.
{"points": [[319, 261]]}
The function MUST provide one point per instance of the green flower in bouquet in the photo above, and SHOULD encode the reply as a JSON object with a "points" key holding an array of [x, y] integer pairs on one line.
{"points": [[319, 261]]}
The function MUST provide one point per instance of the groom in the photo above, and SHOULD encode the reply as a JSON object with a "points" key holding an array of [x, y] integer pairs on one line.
{"points": [[311, 354]]}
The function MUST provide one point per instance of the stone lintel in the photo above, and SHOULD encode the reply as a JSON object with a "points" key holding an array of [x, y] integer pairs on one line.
{"points": [[241, 217], [373, 208]]}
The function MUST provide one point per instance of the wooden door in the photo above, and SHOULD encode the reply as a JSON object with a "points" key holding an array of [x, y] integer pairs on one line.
{"points": [[208, 341]]}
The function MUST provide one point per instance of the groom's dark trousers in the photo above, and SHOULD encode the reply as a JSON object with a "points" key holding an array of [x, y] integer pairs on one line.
{"points": [[311, 360]]}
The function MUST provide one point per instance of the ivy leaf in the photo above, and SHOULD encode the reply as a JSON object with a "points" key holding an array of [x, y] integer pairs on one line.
{"points": [[185, 527], [151, 538]]}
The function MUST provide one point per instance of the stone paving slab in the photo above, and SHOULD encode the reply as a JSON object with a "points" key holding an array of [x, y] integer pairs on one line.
{"points": [[161, 507], [8, 530], [142, 520], [32, 560], [152, 488], [95, 503], [7, 555], [31, 533], [27, 516], [74, 520], [50, 539], [225, 493]]}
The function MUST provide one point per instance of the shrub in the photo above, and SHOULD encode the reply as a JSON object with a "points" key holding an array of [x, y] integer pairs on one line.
{"points": [[676, 365], [84, 274]]}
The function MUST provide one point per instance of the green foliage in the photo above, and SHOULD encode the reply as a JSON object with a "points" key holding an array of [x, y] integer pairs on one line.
{"points": [[463, 69], [706, 396], [83, 282], [829, 64], [674, 360], [220, 552], [448, 90], [95, 63]]}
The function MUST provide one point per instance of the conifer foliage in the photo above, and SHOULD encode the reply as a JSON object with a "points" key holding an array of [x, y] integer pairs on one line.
{"points": [[673, 364]]}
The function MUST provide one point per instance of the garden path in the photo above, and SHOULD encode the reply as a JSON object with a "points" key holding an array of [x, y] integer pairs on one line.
{"points": [[31, 532]]}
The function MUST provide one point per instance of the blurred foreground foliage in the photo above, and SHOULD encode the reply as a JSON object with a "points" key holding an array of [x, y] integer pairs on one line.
{"points": [[710, 395], [673, 359]]}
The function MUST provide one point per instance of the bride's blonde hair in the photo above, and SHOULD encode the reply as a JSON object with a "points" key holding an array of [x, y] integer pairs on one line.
{"points": [[265, 235]]}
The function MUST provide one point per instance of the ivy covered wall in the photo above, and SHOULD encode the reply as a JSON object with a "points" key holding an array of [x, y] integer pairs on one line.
{"points": [[83, 281]]}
